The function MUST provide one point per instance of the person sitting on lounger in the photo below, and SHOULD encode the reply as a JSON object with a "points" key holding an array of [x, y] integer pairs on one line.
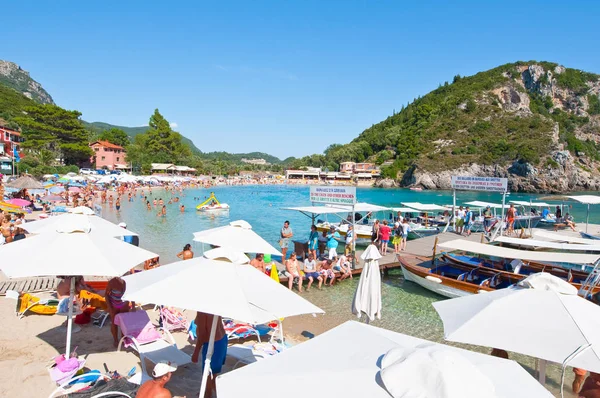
{"points": [[155, 388], [343, 265], [327, 271], [258, 262], [114, 301]]}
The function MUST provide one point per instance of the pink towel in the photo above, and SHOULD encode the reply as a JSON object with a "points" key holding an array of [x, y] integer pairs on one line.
{"points": [[138, 325], [60, 377]]}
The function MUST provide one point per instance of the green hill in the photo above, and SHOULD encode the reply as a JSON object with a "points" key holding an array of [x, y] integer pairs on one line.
{"points": [[537, 114], [11, 75], [237, 157], [99, 127]]}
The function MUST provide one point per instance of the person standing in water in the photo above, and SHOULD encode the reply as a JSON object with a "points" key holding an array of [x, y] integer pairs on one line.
{"points": [[118, 204], [182, 208], [186, 253]]}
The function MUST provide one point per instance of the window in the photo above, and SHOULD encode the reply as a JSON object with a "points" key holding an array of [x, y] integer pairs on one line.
{"points": [[103, 158], [6, 136], [96, 149], [117, 158]]}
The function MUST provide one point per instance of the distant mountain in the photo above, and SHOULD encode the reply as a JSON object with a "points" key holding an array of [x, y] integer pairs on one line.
{"points": [[237, 157], [131, 131], [11, 75]]}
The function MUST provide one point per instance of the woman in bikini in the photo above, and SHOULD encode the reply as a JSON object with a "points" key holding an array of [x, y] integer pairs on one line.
{"points": [[186, 253], [6, 229], [114, 301]]}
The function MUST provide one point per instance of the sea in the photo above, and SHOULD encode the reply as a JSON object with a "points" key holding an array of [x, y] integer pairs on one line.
{"points": [[406, 306]]}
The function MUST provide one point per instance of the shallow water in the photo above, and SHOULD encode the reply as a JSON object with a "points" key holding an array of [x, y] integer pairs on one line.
{"points": [[406, 306]]}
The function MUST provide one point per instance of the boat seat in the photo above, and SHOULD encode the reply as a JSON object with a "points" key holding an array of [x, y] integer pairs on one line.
{"points": [[462, 276], [484, 281]]}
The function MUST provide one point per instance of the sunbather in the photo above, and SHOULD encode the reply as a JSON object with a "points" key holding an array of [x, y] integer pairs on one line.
{"points": [[114, 301], [292, 272], [155, 388], [343, 265], [311, 270], [327, 271]]}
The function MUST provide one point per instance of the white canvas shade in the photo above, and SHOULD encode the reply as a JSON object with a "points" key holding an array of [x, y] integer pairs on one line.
{"points": [[423, 207], [221, 253], [367, 298], [311, 211], [563, 238], [346, 361], [70, 253], [533, 204], [549, 321], [490, 250], [362, 207], [404, 210], [548, 245], [98, 225], [587, 200], [480, 204], [237, 236], [216, 287]]}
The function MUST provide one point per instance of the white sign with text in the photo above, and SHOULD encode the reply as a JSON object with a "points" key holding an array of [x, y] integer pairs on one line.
{"points": [[489, 184], [333, 195]]}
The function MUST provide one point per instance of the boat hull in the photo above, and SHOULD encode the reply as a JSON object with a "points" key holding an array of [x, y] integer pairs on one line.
{"points": [[588, 236], [443, 289]]}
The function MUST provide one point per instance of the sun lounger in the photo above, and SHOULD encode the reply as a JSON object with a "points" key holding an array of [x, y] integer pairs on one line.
{"points": [[236, 330], [173, 320], [26, 302], [247, 354], [147, 340]]}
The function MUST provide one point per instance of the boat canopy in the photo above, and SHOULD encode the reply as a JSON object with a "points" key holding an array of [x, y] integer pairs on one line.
{"points": [[497, 251], [586, 199], [478, 203], [548, 245], [316, 210], [423, 207], [361, 206], [563, 238], [403, 209], [525, 203]]}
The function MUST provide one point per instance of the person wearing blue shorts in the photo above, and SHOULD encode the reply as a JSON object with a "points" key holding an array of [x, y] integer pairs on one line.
{"points": [[203, 326]]}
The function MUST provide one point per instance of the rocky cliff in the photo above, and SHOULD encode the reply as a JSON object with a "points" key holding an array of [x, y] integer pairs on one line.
{"points": [[13, 76], [568, 101]]}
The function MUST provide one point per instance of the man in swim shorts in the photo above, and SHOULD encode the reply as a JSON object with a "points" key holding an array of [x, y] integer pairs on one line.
{"points": [[203, 326]]}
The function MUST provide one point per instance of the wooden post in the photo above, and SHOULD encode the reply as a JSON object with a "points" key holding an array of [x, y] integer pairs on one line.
{"points": [[434, 250], [482, 237]]}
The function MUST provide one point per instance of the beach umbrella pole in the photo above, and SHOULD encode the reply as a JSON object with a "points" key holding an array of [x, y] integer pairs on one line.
{"points": [[70, 318], [211, 346]]}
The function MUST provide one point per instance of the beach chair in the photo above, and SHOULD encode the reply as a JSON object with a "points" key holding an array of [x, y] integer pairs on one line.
{"points": [[173, 320], [140, 335], [26, 302], [235, 330], [246, 354]]}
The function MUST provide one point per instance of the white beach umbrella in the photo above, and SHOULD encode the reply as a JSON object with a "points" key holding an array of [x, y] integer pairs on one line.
{"points": [[216, 287], [238, 236], [82, 210], [221, 253], [97, 225], [70, 250], [367, 298], [333, 370], [542, 317]]}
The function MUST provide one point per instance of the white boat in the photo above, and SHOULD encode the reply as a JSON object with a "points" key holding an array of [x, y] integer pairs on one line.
{"points": [[212, 205]]}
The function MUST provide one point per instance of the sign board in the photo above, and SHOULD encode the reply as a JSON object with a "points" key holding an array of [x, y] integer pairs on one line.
{"points": [[333, 195], [489, 184]]}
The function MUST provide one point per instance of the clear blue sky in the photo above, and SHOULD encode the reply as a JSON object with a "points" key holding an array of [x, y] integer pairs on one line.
{"points": [[284, 77]]}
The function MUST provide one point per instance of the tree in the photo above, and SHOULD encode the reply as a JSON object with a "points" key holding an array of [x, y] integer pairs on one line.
{"points": [[115, 136], [52, 128]]}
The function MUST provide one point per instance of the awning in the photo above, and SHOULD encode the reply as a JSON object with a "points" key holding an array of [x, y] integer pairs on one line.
{"points": [[563, 238], [489, 250], [362, 206], [403, 209], [525, 203], [423, 207], [586, 199], [316, 210], [548, 245], [478, 203]]}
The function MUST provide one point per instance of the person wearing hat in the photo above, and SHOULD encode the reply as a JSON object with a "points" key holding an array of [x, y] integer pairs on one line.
{"points": [[155, 388], [332, 243]]}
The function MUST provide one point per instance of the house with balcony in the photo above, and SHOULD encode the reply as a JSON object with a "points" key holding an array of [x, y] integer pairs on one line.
{"points": [[108, 156], [9, 141]]}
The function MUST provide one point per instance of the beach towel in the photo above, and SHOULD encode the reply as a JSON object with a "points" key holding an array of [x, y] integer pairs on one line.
{"points": [[95, 300], [46, 307], [60, 376], [103, 386], [138, 325]]}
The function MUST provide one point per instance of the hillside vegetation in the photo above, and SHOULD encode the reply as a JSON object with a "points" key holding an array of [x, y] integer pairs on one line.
{"points": [[519, 112]]}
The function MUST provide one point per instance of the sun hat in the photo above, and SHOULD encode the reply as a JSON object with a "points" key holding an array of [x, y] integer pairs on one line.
{"points": [[122, 225], [162, 368]]}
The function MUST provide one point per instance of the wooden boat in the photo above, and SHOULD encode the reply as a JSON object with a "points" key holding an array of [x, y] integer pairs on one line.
{"points": [[454, 280], [212, 204], [521, 268]]}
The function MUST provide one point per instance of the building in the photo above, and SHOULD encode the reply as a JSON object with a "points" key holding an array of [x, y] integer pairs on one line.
{"points": [[311, 173], [170, 168], [9, 141], [108, 156], [255, 161], [347, 167]]}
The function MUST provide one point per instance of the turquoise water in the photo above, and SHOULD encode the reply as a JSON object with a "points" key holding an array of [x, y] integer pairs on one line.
{"points": [[406, 306], [262, 206]]}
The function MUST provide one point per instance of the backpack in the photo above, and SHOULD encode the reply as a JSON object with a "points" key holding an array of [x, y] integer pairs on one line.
{"points": [[399, 231]]}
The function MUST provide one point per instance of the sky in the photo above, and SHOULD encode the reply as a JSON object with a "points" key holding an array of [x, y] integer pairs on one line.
{"points": [[284, 77]]}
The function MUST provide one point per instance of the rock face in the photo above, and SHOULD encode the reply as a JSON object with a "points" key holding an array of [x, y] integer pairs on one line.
{"points": [[385, 183], [14, 77]]}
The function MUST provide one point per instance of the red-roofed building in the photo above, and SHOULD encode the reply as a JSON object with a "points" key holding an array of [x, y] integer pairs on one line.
{"points": [[9, 140], [107, 155]]}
